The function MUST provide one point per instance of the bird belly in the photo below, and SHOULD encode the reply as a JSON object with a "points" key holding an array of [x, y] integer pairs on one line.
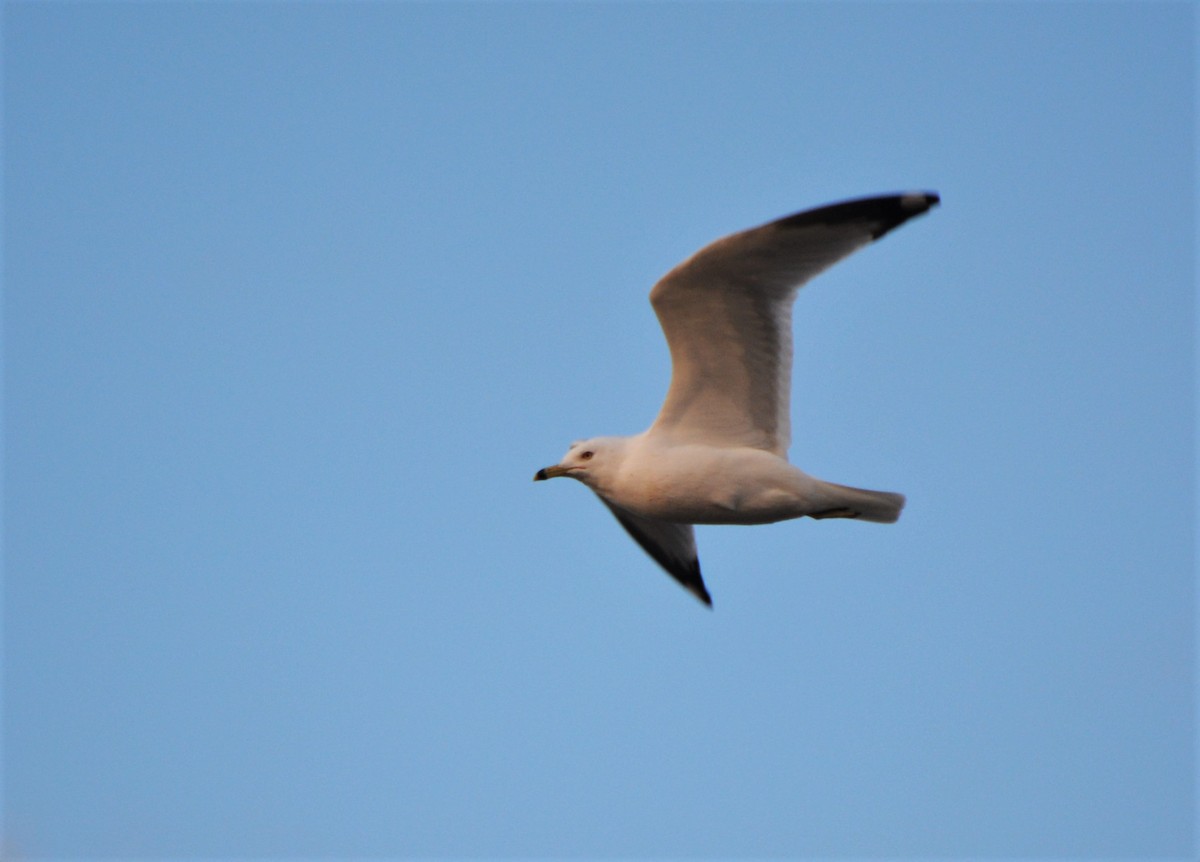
{"points": [[755, 505], [721, 486]]}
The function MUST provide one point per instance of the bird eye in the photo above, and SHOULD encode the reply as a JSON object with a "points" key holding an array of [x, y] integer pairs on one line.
{"points": [[586, 456]]}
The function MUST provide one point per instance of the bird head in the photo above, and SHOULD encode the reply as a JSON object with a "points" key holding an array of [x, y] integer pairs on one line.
{"points": [[586, 460]]}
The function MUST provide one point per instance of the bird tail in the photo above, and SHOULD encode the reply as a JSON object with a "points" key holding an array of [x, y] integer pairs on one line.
{"points": [[880, 507]]}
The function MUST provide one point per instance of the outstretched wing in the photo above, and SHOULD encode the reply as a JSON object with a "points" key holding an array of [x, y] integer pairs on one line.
{"points": [[727, 315], [673, 546]]}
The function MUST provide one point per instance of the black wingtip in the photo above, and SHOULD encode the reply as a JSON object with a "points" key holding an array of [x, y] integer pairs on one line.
{"points": [[693, 582], [881, 213], [690, 579]]}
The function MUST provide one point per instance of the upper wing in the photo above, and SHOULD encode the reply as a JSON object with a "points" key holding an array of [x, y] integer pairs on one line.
{"points": [[673, 546], [727, 315]]}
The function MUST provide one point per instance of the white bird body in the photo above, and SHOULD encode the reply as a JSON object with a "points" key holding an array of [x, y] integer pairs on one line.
{"points": [[717, 453], [698, 484]]}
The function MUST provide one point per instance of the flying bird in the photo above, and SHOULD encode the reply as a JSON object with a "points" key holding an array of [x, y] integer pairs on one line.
{"points": [[718, 451]]}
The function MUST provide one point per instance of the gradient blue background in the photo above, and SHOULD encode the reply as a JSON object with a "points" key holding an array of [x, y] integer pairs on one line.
{"points": [[298, 297]]}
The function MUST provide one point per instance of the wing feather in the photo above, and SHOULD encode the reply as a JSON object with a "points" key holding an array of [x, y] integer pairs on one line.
{"points": [[727, 314], [673, 546]]}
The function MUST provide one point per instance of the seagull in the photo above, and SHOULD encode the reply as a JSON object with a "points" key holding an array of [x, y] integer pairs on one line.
{"points": [[718, 451]]}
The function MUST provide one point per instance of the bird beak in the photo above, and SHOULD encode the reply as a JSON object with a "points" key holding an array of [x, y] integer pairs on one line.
{"points": [[549, 473]]}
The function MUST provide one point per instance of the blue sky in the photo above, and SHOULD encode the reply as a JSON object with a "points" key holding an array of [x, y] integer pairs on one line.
{"points": [[297, 297]]}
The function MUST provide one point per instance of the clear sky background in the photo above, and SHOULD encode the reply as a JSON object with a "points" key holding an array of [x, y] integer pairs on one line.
{"points": [[297, 297]]}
